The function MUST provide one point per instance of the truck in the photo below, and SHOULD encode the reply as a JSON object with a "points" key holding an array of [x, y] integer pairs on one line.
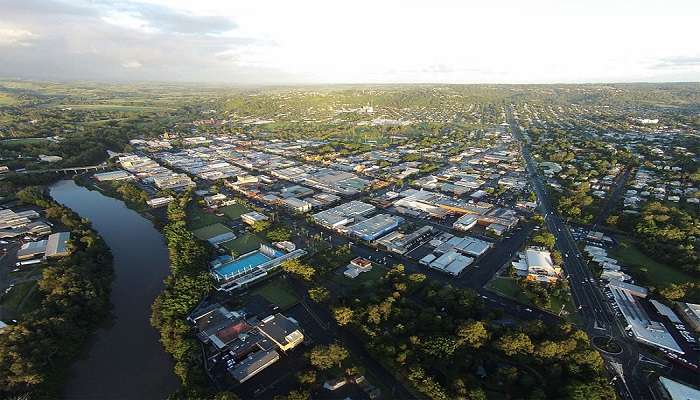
{"points": [[28, 262]]}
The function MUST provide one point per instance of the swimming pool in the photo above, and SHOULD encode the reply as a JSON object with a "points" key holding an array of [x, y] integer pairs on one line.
{"points": [[246, 262]]}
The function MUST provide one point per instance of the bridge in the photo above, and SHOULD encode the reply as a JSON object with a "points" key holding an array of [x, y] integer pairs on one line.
{"points": [[68, 170]]}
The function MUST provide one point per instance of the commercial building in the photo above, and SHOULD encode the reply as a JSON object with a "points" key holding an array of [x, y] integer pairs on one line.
{"points": [[31, 249], [296, 205], [252, 217], [654, 333], [691, 314], [465, 222], [374, 227], [342, 214], [57, 245], [14, 220], [536, 264], [450, 262], [401, 243], [672, 390], [159, 201], [118, 175], [241, 342]]}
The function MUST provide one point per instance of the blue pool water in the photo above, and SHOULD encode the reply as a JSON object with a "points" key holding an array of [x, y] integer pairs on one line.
{"points": [[246, 262]]}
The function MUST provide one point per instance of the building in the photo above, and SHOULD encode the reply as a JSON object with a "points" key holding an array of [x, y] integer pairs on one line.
{"points": [[374, 227], [15, 220], [401, 243], [296, 205], [215, 199], [254, 363], [465, 222], [672, 390], [252, 217], [57, 245], [644, 330], [450, 262], [117, 175], [536, 264], [241, 342], [173, 181], [159, 201], [691, 314], [342, 214], [357, 266], [282, 331], [31, 249]]}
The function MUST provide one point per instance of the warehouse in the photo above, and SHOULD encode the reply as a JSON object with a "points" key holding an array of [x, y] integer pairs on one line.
{"points": [[374, 227], [342, 214], [57, 245], [401, 243]]}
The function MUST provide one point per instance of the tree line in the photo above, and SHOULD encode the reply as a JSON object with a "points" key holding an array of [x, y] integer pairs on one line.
{"points": [[36, 352]]}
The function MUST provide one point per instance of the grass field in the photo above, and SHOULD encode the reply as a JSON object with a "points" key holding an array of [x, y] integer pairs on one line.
{"points": [[508, 287], [645, 269], [209, 231], [277, 291], [234, 211], [243, 244], [198, 218], [7, 100]]}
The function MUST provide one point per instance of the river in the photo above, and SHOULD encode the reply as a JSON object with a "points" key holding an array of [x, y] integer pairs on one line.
{"points": [[125, 360]]}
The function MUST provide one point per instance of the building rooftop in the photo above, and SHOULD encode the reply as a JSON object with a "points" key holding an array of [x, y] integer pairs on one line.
{"points": [[57, 244]]}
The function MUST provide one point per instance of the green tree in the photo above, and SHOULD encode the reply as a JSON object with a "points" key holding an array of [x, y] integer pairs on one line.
{"points": [[472, 334], [296, 267], [319, 294], [517, 343], [325, 357]]}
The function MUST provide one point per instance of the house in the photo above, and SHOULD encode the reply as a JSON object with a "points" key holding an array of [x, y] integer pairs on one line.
{"points": [[357, 266]]}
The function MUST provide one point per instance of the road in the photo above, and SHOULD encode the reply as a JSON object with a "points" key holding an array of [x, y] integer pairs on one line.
{"points": [[593, 307], [613, 196]]}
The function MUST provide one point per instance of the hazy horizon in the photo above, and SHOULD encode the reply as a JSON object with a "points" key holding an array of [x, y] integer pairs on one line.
{"points": [[271, 43]]}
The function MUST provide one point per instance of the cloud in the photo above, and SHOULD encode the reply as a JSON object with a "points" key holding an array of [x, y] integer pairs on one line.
{"points": [[100, 40], [677, 63], [16, 37], [132, 64]]}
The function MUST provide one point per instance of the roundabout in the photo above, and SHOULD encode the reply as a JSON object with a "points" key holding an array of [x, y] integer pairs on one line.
{"points": [[607, 345]]}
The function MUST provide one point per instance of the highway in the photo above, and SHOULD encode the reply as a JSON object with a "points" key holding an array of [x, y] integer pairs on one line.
{"points": [[594, 309]]}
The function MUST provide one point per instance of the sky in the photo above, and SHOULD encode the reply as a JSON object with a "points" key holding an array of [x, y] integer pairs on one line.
{"points": [[359, 41]]}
